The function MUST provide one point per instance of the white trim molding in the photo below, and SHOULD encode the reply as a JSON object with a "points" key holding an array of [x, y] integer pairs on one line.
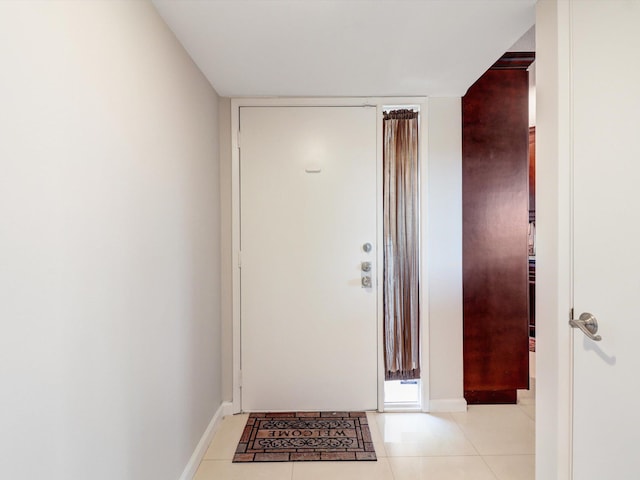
{"points": [[554, 350], [190, 470]]}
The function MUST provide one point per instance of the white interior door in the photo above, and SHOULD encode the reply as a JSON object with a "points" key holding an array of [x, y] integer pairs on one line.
{"points": [[606, 157], [307, 207]]}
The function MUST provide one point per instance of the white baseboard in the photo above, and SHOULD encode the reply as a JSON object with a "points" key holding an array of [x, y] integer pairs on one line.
{"points": [[448, 405], [226, 408]]}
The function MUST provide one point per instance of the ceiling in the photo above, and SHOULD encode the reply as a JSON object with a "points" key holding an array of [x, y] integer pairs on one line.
{"points": [[346, 47]]}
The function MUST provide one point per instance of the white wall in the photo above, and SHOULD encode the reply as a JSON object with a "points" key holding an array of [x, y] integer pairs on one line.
{"points": [[109, 244], [532, 94], [444, 253]]}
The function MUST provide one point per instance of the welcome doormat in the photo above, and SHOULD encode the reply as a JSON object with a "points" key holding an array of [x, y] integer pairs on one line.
{"points": [[305, 436]]}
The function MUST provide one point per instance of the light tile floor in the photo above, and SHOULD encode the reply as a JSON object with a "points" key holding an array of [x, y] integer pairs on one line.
{"points": [[488, 442]]}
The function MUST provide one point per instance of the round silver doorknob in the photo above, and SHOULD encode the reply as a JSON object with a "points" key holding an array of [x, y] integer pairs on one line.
{"points": [[367, 247]]}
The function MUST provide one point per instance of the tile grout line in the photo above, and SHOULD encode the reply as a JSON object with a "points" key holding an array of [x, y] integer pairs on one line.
{"points": [[393, 473], [464, 434], [495, 475], [520, 412], [509, 455]]}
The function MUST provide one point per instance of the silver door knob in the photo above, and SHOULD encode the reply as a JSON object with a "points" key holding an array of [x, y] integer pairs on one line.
{"points": [[365, 266], [588, 324], [366, 281]]}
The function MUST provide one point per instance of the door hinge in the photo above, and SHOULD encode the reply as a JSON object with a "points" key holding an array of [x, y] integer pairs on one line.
{"points": [[240, 378], [571, 314], [239, 259]]}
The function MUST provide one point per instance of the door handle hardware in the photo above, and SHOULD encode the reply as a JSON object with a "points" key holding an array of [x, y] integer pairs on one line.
{"points": [[366, 281], [365, 266], [588, 324]]}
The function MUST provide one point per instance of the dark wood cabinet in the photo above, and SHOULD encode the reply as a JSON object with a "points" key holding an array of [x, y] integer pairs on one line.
{"points": [[532, 173], [532, 231], [495, 186], [532, 297]]}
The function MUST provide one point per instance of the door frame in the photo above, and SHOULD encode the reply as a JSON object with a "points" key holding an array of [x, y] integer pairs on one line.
{"points": [[554, 230], [379, 103]]}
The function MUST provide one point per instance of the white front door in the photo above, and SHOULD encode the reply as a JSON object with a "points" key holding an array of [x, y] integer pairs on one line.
{"points": [[307, 208], [606, 237]]}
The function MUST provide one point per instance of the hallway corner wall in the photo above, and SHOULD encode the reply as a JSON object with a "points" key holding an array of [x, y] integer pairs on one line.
{"points": [[444, 253]]}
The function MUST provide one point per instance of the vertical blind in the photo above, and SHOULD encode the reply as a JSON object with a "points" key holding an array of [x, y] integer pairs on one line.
{"points": [[401, 245]]}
